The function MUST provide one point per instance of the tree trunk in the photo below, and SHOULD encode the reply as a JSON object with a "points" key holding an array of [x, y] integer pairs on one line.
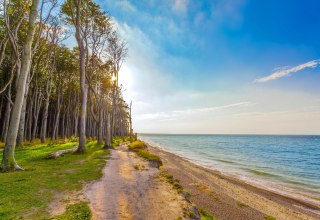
{"points": [[8, 161], [108, 132], [100, 126], [45, 112], [7, 116], [84, 87]]}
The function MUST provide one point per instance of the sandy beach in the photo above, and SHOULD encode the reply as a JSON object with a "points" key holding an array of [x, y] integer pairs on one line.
{"points": [[230, 198]]}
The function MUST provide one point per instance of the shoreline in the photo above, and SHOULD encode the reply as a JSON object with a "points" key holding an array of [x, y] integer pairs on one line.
{"points": [[283, 205], [257, 178]]}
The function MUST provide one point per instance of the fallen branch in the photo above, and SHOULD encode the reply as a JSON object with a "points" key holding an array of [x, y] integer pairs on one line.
{"points": [[58, 153]]}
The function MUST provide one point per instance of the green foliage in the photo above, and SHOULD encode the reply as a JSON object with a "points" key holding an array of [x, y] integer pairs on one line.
{"points": [[174, 182], [136, 146], [43, 178], [270, 217], [148, 156], [205, 215], [116, 141], [78, 211]]}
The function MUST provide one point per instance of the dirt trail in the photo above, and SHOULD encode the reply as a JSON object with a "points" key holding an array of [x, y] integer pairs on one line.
{"points": [[125, 192]]}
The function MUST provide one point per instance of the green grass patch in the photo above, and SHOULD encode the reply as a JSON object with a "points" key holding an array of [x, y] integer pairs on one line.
{"points": [[140, 148], [269, 217], [29, 193], [137, 145], [174, 182], [148, 156], [78, 211], [204, 215], [116, 142]]}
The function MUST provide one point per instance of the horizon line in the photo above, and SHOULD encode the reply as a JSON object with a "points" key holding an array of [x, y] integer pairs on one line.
{"points": [[228, 134]]}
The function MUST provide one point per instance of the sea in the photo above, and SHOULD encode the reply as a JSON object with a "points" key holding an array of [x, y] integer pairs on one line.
{"points": [[286, 164]]}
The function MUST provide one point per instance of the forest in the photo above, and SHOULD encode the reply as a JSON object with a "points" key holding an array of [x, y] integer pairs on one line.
{"points": [[51, 91]]}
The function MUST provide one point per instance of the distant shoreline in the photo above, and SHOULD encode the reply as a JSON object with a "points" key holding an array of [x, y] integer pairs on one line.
{"points": [[282, 205], [308, 135]]}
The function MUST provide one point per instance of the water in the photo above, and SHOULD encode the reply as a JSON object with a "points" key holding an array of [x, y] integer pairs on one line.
{"points": [[287, 164]]}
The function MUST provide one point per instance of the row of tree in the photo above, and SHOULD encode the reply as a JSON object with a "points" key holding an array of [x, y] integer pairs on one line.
{"points": [[49, 90]]}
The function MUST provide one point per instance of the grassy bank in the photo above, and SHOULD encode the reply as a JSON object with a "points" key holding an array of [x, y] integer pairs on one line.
{"points": [[141, 149], [28, 193]]}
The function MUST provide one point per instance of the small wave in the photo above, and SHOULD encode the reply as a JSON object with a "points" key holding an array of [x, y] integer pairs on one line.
{"points": [[225, 161], [260, 173]]}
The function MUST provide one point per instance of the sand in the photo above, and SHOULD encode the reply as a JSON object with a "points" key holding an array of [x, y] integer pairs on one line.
{"points": [[229, 198], [125, 192], [131, 189]]}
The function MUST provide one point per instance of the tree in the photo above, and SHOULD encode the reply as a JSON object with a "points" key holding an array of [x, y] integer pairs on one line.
{"points": [[8, 161]]}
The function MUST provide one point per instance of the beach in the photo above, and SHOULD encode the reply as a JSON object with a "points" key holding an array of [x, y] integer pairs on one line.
{"points": [[227, 197]]}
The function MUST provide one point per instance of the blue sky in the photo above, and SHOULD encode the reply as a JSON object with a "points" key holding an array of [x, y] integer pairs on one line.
{"points": [[221, 66]]}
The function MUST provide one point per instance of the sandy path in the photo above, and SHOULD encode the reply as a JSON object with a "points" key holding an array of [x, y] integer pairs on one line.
{"points": [[127, 193], [229, 198]]}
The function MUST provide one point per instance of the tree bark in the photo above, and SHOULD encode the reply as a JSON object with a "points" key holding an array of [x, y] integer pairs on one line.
{"points": [[8, 161], [84, 87]]}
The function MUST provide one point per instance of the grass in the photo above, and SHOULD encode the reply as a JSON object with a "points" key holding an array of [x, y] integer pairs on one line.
{"points": [[117, 141], [78, 211], [140, 148], [174, 182], [269, 217], [136, 146], [29, 193], [204, 215]]}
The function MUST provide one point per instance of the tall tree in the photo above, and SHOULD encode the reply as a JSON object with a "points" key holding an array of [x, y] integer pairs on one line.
{"points": [[8, 161]]}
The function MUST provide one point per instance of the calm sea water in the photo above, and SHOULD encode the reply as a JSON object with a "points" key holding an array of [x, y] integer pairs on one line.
{"points": [[280, 162]]}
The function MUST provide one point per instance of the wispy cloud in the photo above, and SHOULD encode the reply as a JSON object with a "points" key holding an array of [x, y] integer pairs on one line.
{"points": [[180, 6], [126, 5], [287, 71], [172, 115]]}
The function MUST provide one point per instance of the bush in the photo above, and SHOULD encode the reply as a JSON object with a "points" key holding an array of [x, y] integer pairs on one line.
{"points": [[137, 145]]}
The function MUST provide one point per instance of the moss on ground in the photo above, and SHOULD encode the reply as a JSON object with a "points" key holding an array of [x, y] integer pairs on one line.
{"points": [[78, 211], [29, 193]]}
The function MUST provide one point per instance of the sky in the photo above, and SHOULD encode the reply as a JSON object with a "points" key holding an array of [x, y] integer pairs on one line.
{"points": [[221, 66]]}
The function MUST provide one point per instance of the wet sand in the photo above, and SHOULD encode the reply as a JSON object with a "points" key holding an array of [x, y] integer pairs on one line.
{"points": [[229, 198]]}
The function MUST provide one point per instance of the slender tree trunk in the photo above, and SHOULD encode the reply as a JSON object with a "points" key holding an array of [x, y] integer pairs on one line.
{"points": [[45, 113], [7, 115], [36, 112], [100, 126], [8, 161], [83, 86], [108, 131], [56, 123]]}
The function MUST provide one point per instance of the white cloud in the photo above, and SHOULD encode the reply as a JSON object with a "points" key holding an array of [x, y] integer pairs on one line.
{"points": [[126, 5], [173, 115], [287, 71], [180, 6]]}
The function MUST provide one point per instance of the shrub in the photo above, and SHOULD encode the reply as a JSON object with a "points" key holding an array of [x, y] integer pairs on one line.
{"points": [[136, 146]]}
